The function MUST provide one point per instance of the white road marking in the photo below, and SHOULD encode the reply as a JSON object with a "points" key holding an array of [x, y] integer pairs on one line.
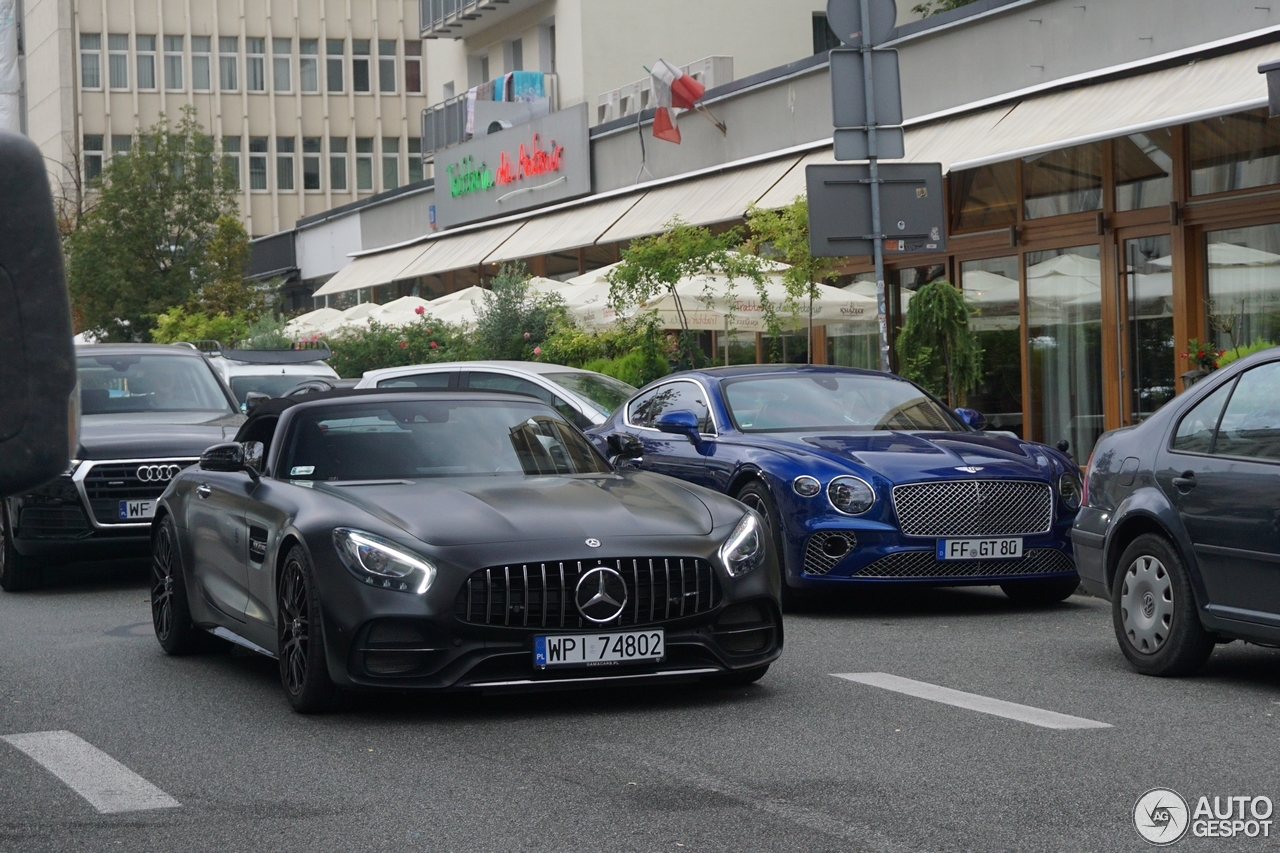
{"points": [[972, 701], [107, 784]]}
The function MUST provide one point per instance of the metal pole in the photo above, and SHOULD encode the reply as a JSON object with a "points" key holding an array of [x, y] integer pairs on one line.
{"points": [[872, 157]]}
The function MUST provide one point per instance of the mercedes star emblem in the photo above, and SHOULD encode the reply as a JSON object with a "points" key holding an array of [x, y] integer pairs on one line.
{"points": [[601, 595], [593, 543]]}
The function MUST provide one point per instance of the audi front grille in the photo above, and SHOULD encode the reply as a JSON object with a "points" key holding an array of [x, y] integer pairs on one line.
{"points": [[542, 595], [974, 508], [108, 483]]}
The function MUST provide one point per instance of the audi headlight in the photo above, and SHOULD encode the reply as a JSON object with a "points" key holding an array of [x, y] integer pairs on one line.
{"points": [[1069, 490], [851, 495], [381, 563], [743, 551]]}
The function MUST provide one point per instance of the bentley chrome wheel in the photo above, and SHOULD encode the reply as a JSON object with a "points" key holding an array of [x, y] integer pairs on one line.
{"points": [[1146, 604]]}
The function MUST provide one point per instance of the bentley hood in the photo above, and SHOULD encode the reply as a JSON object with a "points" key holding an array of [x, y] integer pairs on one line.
{"points": [[156, 435], [470, 510]]}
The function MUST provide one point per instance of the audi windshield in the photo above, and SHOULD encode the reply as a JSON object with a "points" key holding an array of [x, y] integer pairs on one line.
{"points": [[806, 402], [438, 438], [121, 384]]}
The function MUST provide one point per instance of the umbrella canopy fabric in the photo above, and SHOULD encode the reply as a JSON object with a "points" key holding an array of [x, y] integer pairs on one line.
{"points": [[401, 312], [312, 321]]}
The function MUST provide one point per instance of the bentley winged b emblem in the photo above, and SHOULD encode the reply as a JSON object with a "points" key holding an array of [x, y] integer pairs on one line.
{"points": [[969, 469]]}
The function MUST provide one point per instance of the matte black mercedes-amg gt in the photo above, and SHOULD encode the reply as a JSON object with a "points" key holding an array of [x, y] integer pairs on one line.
{"points": [[455, 540]]}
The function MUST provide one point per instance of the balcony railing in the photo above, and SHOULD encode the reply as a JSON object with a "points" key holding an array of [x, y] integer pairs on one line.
{"points": [[445, 124], [462, 18]]}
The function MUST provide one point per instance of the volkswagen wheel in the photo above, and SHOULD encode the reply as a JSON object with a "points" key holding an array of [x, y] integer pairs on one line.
{"points": [[1154, 611]]}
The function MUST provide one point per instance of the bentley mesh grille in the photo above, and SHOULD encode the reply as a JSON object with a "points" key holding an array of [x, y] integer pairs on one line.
{"points": [[816, 559], [924, 564], [107, 484], [974, 508], [541, 595]]}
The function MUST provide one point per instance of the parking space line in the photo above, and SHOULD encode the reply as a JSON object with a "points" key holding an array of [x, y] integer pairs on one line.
{"points": [[107, 784], [972, 701]]}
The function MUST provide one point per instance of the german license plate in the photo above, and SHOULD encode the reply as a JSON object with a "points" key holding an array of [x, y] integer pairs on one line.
{"points": [[137, 510], [598, 649], [979, 549]]}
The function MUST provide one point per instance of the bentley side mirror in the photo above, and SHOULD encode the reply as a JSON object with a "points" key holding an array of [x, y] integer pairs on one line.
{"points": [[623, 446], [40, 416], [253, 400], [1065, 447], [680, 422], [231, 457], [972, 418]]}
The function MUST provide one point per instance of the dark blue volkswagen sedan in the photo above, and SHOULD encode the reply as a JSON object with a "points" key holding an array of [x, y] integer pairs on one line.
{"points": [[862, 476]]}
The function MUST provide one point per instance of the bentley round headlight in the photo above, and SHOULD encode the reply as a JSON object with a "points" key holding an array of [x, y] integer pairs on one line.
{"points": [[743, 551], [1069, 490], [851, 495], [806, 486], [382, 563]]}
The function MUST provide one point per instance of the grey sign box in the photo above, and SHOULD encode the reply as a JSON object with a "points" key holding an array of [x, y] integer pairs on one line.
{"points": [[849, 90], [853, 144], [565, 129], [912, 212], [845, 19]]}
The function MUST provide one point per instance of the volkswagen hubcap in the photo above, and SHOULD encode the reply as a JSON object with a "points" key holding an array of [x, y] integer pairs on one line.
{"points": [[1146, 604]]}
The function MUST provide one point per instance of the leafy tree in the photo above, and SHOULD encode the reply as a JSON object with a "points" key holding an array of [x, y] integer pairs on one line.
{"points": [[227, 291], [514, 322], [937, 7], [144, 246], [935, 347], [181, 324]]}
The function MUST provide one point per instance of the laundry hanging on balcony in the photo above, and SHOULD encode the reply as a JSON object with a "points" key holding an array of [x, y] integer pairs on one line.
{"points": [[672, 88]]}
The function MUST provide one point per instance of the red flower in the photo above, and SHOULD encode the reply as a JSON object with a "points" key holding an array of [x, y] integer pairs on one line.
{"points": [[526, 336], [403, 344], [428, 331], [433, 345], [537, 350], [420, 310], [1200, 354]]}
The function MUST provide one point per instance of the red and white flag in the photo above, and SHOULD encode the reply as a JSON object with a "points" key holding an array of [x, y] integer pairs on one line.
{"points": [[672, 88]]}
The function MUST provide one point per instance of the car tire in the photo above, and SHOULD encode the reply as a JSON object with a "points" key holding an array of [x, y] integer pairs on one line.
{"points": [[1154, 611], [1040, 593], [755, 495], [742, 677], [17, 572], [304, 667], [170, 608]]}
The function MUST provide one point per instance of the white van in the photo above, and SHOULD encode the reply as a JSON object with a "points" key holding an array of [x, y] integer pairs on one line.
{"points": [[270, 372]]}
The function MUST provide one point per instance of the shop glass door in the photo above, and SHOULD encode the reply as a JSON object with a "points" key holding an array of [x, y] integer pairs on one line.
{"points": [[1147, 294]]}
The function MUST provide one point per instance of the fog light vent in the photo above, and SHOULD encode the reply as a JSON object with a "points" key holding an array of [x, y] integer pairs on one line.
{"points": [[391, 663], [742, 644], [826, 549], [396, 631], [741, 614]]}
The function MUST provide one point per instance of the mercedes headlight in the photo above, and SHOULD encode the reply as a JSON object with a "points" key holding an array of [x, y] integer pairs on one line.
{"points": [[851, 495], [379, 562], [1069, 490], [743, 551]]}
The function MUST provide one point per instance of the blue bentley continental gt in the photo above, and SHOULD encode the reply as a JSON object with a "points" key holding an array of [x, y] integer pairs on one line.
{"points": [[863, 477]]}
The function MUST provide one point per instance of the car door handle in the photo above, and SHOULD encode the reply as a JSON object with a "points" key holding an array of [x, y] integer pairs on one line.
{"points": [[1186, 482], [203, 491]]}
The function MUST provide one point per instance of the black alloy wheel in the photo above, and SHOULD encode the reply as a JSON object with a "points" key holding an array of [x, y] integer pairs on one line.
{"points": [[755, 495], [170, 610], [304, 670], [1154, 610], [1040, 593], [16, 571]]}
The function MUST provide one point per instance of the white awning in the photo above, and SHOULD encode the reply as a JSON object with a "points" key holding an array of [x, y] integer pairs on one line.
{"points": [[792, 183], [567, 229], [373, 270], [461, 251]]}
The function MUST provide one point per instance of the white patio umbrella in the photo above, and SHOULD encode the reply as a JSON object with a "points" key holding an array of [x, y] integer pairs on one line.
{"points": [[311, 322], [357, 316], [400, 312]]}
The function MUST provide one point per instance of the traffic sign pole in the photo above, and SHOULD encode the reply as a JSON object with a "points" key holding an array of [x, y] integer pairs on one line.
{"points": [[882, 319]]}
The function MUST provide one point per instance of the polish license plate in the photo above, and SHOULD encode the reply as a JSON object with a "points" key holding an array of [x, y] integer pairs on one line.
{"points": [[137, 510], [598, 649], [979, 549]]}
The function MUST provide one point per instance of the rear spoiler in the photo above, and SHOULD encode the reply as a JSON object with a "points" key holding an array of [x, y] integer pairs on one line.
{"points": [[302, 355]]}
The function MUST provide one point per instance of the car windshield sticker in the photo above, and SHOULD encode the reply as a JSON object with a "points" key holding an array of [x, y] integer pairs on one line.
{"points": [[302, 470]]}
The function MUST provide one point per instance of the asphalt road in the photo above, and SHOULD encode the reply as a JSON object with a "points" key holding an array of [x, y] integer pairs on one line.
{"points": [[802, 761]]}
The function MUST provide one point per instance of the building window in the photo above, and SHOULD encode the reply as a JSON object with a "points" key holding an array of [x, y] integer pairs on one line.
{"points": [[1235, 152], [118, 60], [201, 81], [121, 144], [1243, 285], [284, 162], [824, 38], [173, 62], [311, 162], [92, 156], [281, 54], [255, 71], [91, 60], [1148, 274], [1068, 180], [993, 294], [146, 46], [257, 162], [308, 73], [413, 67], [231, 159], [1144, 170], [1064, 338], [338, 163], [390, 163], [984, 198], [359, 65], [333, 64], [387, 66], [415, 159], [364, 164], [517, 55], [228, 55]]}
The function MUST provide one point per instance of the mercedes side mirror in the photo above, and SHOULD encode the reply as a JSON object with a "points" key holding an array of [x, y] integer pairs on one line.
{"points": [[972, 418], [623, 446], [233, 457], [680, 422], [253, 400], [40, 417]]}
